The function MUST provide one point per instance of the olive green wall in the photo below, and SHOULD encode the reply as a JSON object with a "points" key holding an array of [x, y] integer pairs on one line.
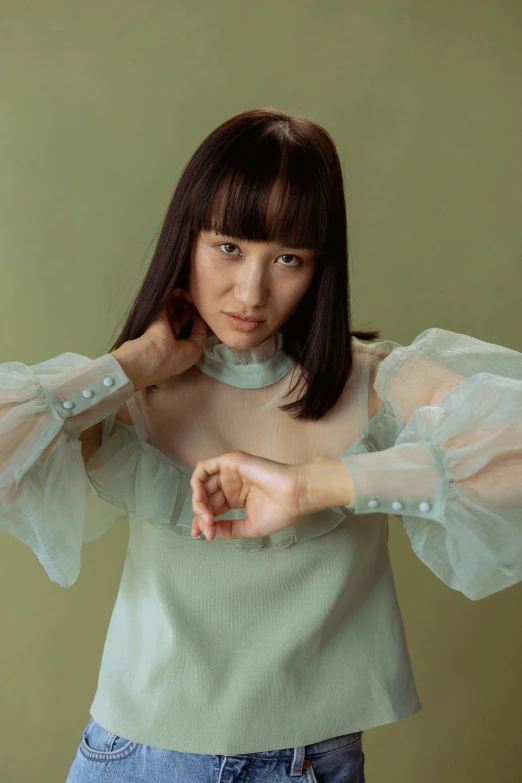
{"points": [[101, 105]]}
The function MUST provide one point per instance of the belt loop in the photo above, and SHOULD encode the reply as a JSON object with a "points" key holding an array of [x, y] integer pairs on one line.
{"points": [[109, 741], [297, 761]]}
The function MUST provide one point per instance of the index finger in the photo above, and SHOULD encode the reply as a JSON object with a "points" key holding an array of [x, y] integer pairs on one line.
{"points": [[197, 482]]}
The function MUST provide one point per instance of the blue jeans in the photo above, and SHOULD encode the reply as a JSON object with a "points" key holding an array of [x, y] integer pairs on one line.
{"points": [[103, 756]]}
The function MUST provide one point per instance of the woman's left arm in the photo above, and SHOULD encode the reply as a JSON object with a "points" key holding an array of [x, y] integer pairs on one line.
{"points": [[454, 473]]}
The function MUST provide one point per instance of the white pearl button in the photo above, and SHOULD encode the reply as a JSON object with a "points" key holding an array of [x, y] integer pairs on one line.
{"points": [[88, 393], [425, 506], [107, 381], [397, 505], [68, 404], [373, 503]]}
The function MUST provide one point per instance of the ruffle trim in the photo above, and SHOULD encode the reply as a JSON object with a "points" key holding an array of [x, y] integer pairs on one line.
{"points": [[135, 476], [219, 352]]}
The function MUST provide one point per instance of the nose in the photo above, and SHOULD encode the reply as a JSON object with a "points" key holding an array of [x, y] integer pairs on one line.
{"points": [[252, 287]]}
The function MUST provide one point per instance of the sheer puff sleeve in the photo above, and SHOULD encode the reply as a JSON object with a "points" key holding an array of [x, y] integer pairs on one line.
{"points": [[454, 471], [46, 499]]}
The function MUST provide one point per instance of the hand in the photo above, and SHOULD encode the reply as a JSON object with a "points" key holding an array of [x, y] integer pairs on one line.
{"points": [[174, 356], [270, 492]]}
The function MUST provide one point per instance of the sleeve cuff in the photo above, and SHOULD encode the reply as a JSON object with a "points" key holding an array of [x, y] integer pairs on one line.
{"points": [[95, 389], [408, 479]]}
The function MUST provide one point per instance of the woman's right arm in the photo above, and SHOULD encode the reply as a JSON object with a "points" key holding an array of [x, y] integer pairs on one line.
{"points": [[51, 420]]}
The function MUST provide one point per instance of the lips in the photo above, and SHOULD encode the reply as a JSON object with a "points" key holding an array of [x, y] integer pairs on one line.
{"points": [[244, 317], [242, 324]]}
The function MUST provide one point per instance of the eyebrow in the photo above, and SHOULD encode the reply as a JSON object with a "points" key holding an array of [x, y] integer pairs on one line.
{"points": [[229, 236]]}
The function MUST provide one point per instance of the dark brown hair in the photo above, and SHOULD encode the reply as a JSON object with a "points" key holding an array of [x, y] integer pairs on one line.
{"points": [[226, 186]]}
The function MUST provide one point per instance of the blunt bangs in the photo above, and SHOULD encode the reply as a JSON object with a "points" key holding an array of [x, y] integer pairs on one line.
{"points": [[272, 196]]}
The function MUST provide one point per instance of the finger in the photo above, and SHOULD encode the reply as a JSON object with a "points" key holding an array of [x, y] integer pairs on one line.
{"points": [[218, 503], [196, 529], [206, 468], [207, 509], [200, 476], [206, 530], [203, 488], [199, 331], [202, 510], [199, 498], [225, 528], [177, 302], [209, 487], [209, 502], [181, 293], [211, 529], [208, 499], [199, 527], [179, 318]]}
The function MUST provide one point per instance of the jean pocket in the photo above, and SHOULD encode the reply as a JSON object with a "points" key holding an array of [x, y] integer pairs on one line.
{"points": [[344, 764], [103, 745], [355, 738]]}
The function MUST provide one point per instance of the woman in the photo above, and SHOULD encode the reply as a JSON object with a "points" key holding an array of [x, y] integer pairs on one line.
{"points": [[256, 631]]}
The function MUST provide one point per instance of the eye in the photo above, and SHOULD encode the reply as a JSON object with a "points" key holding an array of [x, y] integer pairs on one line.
{"points": [[289, 255], [285, 255], [226, 244]]}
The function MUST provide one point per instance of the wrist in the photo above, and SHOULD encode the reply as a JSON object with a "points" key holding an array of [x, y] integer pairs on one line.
{"points": [[324, 483], [137, 362]]}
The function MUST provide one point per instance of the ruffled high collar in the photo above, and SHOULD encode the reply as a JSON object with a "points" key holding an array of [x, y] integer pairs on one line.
{"points": [[247, 368]]}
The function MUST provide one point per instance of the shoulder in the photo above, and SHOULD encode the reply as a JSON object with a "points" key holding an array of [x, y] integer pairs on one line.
{"points": [[370, 355], [413, 375]]}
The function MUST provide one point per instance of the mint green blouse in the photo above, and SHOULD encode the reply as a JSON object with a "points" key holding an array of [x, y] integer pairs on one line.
{"points": [[238, 646]]}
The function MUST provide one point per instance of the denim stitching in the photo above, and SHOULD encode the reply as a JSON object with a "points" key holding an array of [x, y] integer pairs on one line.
{"points": [[308, 755], [106, 756]]}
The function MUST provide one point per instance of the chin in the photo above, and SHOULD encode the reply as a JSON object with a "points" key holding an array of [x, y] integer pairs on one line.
{"points": [[236, 339]]}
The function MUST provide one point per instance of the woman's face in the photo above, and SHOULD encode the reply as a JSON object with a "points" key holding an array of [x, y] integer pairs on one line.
{"points": [[250, 278]]}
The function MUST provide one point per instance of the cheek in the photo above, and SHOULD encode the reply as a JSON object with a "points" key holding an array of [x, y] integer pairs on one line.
{"points": [[300, 288], [294, 294], [205, 278], [205, 282]]}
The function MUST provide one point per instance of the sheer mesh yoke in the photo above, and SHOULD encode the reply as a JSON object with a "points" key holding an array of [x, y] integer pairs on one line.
{"points": [[195, 416], [443, 448]]}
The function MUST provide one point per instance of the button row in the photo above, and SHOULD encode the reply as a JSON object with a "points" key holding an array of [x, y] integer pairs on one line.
{"points": [[88, 393], [424, 506]]}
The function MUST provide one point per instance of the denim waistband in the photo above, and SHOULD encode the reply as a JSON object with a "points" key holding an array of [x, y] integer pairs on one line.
{"points": [[297, 754]]}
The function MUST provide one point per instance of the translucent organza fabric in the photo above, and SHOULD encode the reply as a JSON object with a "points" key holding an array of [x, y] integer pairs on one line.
{"points": [[454, 473], [443, 448], [45, 498]]}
